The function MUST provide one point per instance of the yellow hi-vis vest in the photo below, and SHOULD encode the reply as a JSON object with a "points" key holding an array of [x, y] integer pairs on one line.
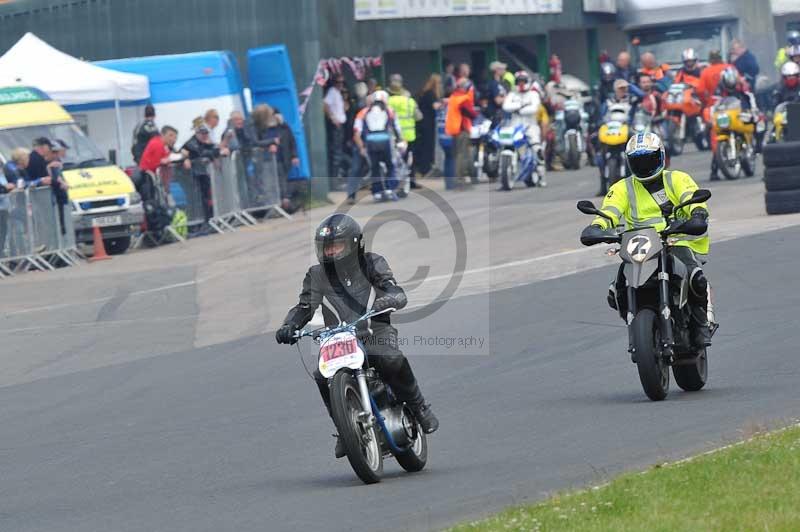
{"points": [[406, 110], [629, 199]]}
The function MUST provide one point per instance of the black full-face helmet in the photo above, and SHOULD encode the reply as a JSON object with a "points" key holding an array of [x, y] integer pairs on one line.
{"points": [[338, 240]]}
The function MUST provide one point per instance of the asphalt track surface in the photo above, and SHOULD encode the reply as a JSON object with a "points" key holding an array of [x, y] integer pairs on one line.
{"points": [[232, 436]]}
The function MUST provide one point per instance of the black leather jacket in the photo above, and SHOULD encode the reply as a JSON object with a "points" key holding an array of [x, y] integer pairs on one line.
{"points": [[348, 295]]}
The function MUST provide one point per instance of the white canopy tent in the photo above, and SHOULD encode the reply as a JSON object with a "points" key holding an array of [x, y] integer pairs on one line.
{"points": [[68, 80]]}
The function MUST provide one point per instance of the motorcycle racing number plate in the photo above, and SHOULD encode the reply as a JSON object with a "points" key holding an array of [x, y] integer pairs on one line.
{"points": [[340, 351]]}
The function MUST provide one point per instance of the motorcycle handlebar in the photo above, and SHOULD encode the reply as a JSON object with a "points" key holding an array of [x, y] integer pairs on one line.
{"points": [[315, 334]]}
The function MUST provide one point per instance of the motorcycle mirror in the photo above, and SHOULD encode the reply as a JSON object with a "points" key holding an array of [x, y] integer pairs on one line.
{"points": [[587, 207]]}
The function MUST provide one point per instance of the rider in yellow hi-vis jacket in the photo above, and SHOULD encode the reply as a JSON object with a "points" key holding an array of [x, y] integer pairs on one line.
{"points": [[641, 201]]}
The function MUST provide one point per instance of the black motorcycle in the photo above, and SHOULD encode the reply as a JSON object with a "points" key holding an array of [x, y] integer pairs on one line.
{"points": [[654, 303]]}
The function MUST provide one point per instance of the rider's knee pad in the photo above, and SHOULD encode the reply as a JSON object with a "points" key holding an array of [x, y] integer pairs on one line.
{"points": [[698, 284]]}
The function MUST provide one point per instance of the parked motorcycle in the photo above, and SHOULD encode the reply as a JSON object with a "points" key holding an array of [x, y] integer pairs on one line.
{"points": [[572, 123], [778, 124], [655, 304], [685, 110], [734, 130], [613, 136], [514, 154], [486, 155], [371, 422]]}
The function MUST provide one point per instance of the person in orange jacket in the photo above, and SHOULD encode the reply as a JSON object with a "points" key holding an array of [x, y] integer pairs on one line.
{"points": [[709, 78], [691, 71]]}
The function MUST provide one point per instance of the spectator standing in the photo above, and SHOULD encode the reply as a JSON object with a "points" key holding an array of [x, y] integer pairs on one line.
{"points": [[449, 78], [5, 208], [745, 62], [287, 159], [143, 132], [496, 89], [709, 78], [16, 169], [446, 143], [199, 150], [333, 105], [158, 150], [624, 69], [460, 112], [464, 71], [211, 121], [237, 135], [37, 173], [407, 114], [429, 103]]}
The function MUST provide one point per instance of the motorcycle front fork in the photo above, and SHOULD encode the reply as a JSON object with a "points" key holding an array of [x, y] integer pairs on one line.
{"points": [[667, 334], [366, 414]]}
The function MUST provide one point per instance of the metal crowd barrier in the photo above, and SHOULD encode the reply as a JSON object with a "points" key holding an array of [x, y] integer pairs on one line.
{"points": [[259, 183], [228, 211], [35, 233]]}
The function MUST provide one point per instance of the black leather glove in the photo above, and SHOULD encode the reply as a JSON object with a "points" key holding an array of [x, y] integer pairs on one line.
{"points": [[382, 303], [285, 335], [594, 234], [696, 225]]}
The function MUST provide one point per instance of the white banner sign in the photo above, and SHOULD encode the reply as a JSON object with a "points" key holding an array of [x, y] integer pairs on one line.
{"points": [[393, 9], [600, 6]]}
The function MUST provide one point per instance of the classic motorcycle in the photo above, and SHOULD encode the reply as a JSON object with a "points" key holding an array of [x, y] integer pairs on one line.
{"points": [[511, 143], [572, 123], [655, 304], [685, 110], [613, 136], [734, 133], [370, 420]]}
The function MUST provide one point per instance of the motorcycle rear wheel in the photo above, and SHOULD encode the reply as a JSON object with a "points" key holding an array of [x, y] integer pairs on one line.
{"points": [[692, 377], [731, 168], [361, 444], [653, 369], [572, 159]]}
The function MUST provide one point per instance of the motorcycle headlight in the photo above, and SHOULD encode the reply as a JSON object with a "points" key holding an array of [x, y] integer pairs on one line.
{"points": [[134, 198]]}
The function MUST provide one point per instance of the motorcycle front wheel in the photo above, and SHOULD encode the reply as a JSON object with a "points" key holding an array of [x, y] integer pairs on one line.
{"points": [[653, 369], [506, 179], [360, 442], [731, 167]]}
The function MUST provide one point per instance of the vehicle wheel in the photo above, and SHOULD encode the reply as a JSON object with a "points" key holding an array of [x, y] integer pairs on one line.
{"points": [[573, 156], [653, 371], [749, 161], [677, 146], [782, 154], [117, 246], [731, 167], [361, 443], [505, 173], [783, 202], [693, 377], [782, 178], [416, 457], [701, 141]]}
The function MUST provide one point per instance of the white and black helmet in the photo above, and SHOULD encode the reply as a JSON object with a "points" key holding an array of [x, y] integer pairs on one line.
{"points": [[646, 156], [689, 55], [729, 78], [790, 68]]}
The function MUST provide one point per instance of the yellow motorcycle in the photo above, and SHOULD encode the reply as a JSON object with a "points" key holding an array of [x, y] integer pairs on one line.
{"points": [[733, 143], [613, 136], [779, 120]]}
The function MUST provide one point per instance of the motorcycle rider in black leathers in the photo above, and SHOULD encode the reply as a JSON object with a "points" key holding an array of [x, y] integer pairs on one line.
{"points": [[345, 277]]}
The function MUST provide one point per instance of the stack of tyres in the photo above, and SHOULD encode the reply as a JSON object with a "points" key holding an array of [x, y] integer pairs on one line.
{"points": [[782, 177]]}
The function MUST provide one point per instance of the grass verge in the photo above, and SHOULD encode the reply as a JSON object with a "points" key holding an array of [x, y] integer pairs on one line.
{"points": [[754, 485]]}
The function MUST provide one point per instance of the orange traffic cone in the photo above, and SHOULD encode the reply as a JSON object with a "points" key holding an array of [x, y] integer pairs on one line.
{"points": [[99, 247]]}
